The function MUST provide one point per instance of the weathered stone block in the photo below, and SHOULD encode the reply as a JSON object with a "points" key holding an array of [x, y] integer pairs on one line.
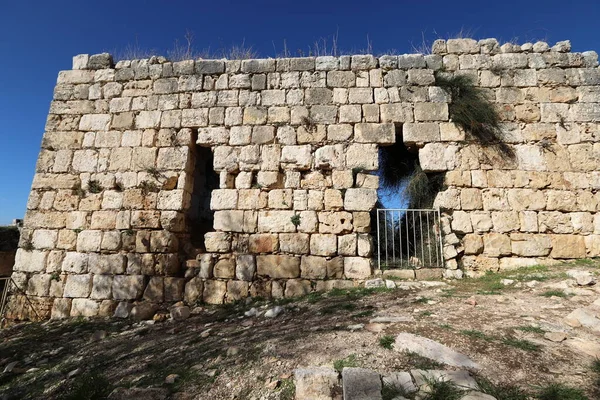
{"points": [[78, 286], [127, 287], [278, 266], [357, 267], [568, 246]]}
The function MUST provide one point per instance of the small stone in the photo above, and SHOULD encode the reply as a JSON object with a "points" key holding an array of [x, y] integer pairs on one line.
{"points": [[10, 367], [555, 336], [179, 313], [272, 385], [583, 278], [471, 301], [74, 373], [274, 312], [170, 379], [232, 351], [356, 327], [205, 334], [507, 282], [375, 327]]}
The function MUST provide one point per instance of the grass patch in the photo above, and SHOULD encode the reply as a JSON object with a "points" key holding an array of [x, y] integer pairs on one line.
{"points": [[447, 326], [443, 390], [339, 307], [595, 367], [347, 362], [288, 389], [477, 335], [390, 392], [90, 386], [557, 391], [426, 314], [531, 329], [421, 300], [522, 344], [555, 293], [501, 391], [417, 361], [94, 186], [387, 342]]}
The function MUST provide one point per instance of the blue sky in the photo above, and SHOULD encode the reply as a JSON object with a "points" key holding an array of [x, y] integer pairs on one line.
{"points": [[39, 38]]}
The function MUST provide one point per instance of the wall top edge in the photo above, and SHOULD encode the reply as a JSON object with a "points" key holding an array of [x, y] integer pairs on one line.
{"points": [[440, 47]]}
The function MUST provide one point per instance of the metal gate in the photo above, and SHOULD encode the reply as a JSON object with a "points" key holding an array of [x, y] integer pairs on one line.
{"points": [[409, 239]]}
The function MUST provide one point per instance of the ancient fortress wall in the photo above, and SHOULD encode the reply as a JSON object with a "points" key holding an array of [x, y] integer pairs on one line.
{"points": [[295, 145]]}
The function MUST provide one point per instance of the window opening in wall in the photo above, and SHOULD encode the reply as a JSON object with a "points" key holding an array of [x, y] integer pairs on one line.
{"points": [[406, 227], [200, 216]]}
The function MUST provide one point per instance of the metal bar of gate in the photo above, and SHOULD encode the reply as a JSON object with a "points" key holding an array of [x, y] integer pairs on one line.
{"points": [[419, 245]]}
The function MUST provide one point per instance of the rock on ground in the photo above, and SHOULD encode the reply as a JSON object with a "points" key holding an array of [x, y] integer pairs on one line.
{"points": [[361, 384], [432, 350], [315, 383]]}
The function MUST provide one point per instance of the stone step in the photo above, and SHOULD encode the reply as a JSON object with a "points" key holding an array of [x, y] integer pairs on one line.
{"points": [[317, 383], [361, 384], [323, 383]]}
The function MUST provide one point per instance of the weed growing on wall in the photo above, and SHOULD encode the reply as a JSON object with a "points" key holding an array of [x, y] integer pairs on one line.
{"points": [[472, 112]]}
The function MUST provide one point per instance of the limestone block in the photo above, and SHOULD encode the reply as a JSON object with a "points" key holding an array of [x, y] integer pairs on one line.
{"points": [[323, 244], [357, 267], [174, 288], [351, 113], [506, 221], [470, 199], [78, 286], [175, 158], [448, 199], [315, 96], [61, 308], [106, 263], [335, 222], [295, 243], [84, 308], [473, 244], [236, 290], [462, 46], [526, 199], [495, 199], [363, 156], [529, 221], [245, 267], [333, 199], [528, 245], [89, 240], [554, 221], [297, 288], [39, 285], [297, 157], [250, 199], [210, 67], [214, 292], [278, 266], [313, 267], [461, 222], [561, 200], [347, 245], [127, 287], [496, 245], [375, 133], [101, 287], [224, 268], [437, 157], [263, 243], [75, 262], [206, 266], [568, 246], [421, 77], [330, 157], [235, 221], [360, 95], [258, 66], [193, 291], [223, 199], [276, 221], [360, 199], [308, 221]]}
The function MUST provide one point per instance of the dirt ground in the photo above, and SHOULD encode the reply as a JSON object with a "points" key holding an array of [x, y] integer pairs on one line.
{"points": [[219, 353]]}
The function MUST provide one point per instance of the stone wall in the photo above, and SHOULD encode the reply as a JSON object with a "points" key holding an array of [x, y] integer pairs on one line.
{"points": [[295, 146]]}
